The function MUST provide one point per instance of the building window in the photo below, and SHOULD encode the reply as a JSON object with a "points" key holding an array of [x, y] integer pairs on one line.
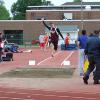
{"points": [[88, 7], [67, 16]]}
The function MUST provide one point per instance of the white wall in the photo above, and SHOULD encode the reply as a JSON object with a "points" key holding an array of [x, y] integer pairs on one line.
{"points": [[73, 37]]}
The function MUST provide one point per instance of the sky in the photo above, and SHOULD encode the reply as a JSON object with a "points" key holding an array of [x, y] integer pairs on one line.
{"points": [[8, 3]]}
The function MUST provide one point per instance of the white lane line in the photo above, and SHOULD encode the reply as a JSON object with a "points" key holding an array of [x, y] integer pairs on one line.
{"points": [[48, 58], [67, 57]]}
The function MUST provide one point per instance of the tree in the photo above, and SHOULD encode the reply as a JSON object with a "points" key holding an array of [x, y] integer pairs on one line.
{"points": [[19, 8], [4, 14], [1, 2], [46, 3], [77, 0]]}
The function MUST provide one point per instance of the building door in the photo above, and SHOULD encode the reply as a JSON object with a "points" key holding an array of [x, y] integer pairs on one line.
{"points": [[14, 36]]}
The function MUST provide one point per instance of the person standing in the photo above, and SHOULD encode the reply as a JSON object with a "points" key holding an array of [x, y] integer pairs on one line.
{"points": [[0, 49], [81, 43], [92, 50], [1, 45], [54, 32], [46, 39], [67, 39], [42, 41]]}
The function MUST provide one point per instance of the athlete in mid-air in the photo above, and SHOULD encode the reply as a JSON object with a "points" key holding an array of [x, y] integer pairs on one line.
{"points": [[54, 35]]}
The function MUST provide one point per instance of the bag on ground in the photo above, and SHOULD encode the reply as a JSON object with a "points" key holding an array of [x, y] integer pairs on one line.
{"points": [[8, 57]]}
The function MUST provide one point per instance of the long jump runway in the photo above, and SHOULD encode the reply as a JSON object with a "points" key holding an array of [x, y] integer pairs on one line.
{"points": [[43, 59], [59, 58]]}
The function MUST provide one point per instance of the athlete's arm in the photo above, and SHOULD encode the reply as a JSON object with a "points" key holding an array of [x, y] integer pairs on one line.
{"points": [[46, 25], [60, 33]]}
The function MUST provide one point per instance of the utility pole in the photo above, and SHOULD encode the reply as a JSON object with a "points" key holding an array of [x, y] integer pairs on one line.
{"points": [[82, 22]]}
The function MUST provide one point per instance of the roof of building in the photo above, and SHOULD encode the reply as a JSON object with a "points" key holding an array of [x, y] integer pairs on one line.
{"points": [[79, 3], [68, 6]]}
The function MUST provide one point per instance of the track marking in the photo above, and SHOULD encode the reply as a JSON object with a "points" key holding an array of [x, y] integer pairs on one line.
{"points": [[67, 57], [48, 58]]}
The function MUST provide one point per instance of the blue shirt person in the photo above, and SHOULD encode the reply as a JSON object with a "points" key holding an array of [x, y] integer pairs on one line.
{"points": [[81, 43]]}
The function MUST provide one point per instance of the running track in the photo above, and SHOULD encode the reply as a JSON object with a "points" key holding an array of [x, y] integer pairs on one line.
{"points": [[19, 94], [44, 59]]}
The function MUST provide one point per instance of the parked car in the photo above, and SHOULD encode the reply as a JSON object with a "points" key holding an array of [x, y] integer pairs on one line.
{"points": [[35, 42]]}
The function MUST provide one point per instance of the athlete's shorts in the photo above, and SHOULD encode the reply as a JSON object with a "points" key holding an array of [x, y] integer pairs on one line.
{"points": [[42, 44]]}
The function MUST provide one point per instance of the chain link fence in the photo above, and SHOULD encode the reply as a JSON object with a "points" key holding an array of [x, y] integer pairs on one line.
{"points": [[22, 42]]}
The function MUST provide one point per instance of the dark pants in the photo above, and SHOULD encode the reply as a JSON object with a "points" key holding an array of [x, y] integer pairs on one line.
{"points": [[55, 44], [50, 43], [54, 40], [0, 53], [91, 66], [94, 62], [97, 71], [65, 46]]}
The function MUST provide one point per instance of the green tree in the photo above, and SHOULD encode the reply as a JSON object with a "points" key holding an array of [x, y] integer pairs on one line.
{"points": [[77, 0], [44, 2], [4, 14], [19, 8], [1, 2]]}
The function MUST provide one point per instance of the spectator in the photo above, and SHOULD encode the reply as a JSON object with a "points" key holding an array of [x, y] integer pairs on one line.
{"points": [[1, 45], [91, 35], [42, 41], [67, 40], [81, 43], [92, 50]]}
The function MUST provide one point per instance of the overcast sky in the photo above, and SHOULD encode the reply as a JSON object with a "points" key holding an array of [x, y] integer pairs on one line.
{"points": [[8, 3]]}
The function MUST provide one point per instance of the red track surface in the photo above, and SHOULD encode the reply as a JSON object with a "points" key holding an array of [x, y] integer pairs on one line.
{"points": [[44, 59], [18, 94]]}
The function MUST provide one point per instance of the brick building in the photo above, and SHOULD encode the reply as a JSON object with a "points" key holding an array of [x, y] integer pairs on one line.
{"points": [[69, 17]]}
